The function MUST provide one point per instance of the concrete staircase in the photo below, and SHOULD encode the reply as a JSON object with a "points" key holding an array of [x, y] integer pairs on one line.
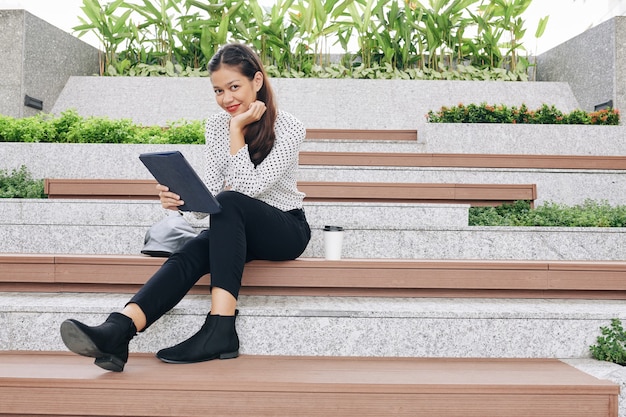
{"points": [[383, 328]]}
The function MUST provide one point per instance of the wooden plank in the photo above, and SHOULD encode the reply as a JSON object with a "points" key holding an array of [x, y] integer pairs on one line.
{"points": [[407, 159], [362, 134], [568, 275], [587, 280], [398, 274], [315, 276], [474, 194], [509, 192], [54, 383], [26, 268], [100, 188]]}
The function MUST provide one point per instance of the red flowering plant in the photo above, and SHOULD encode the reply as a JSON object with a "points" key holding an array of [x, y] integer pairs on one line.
{"points": [[485, 113]]}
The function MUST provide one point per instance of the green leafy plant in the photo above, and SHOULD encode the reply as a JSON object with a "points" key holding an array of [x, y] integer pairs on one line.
{"points": [[294, 36], [20, 184], [588, 214], [28, 129], [611, 346], [70, 127], [486, 113]]}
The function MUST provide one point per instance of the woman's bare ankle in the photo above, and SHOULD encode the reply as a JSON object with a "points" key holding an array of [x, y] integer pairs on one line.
{"points": [[136, 314]]}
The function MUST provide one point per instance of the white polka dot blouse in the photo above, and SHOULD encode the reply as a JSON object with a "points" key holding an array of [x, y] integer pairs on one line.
{"points": [[273, 180]]}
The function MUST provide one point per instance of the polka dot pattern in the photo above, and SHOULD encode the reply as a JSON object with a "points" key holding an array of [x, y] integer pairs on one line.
{"points": [[273, 180]]}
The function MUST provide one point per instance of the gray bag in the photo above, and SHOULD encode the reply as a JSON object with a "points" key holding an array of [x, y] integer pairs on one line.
{"points": [[167, 236]]}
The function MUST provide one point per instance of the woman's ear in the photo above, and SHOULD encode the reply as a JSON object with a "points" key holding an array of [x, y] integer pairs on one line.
{"points": [[258, 81]]}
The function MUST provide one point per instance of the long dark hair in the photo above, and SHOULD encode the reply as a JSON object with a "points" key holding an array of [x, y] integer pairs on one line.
{"points": [[259, 136]]}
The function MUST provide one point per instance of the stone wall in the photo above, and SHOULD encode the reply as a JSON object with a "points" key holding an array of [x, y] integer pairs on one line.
{"points": [[593, 63], [36, 59], [319, 103]]}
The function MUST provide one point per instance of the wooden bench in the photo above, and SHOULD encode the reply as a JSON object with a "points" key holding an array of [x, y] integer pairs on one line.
{"points": [[362, 134], [403, 159], [59, 383], [473, 194], [415, 160], [347, 277]]}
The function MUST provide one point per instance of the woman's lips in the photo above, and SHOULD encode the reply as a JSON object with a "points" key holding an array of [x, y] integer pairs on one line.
{"points": [[233, 108]]}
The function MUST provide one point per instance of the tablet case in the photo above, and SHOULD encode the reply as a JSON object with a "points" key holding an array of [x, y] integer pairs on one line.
{"points": [[174, 171]]}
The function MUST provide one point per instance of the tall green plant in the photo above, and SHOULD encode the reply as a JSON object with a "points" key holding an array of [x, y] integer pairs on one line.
{"points": [[221, 18], [111, 30], [443, 25], [356, 16], [158, 22], [292, 36], [508, 20]]}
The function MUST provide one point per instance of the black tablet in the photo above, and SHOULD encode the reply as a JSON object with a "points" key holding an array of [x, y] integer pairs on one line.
{"points": [[174, 171]]}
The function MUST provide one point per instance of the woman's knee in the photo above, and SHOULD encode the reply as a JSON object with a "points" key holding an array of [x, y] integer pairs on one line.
{"points": [[228, 199]]}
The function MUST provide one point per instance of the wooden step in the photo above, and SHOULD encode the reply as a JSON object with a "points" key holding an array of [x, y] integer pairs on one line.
{"points": [[362, 134], [33, 384], [406, 159], [472, 194], [313, 276]]}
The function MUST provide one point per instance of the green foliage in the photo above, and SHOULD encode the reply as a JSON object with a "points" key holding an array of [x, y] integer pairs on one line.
{"points": [[20, 184], [176, 38], [102, 130], [31, 129], [70, 127], [485, 113], [611, 346], [588, 214]]}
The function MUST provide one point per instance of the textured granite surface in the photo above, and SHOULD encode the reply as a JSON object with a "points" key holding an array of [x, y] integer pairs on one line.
{"points": [[567, 186], [593, 63], [563, 186], [341, 326], [40, 59], [11, 33], [371, 231], [521, 139], [319, 103]]}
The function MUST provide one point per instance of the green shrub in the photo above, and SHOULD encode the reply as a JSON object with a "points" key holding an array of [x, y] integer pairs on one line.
{"points": [[187, 132], [28, 129], [485, 113], [66, 123], [70, 127], [102, 130], [588, 214], [611, 346], [20, 184]]}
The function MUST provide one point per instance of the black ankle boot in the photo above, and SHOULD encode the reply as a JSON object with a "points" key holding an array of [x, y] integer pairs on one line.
{"points": [[108, 342], [217, 338]]}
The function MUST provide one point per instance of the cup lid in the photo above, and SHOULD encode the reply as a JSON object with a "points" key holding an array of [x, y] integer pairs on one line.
{"points": [[333, 229]]}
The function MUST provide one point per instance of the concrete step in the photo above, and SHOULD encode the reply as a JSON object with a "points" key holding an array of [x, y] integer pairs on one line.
{"points": [[303, 386], [371, 231], [318, 103], [337, 326], [565, 186], [78, 161], [63, 160]]}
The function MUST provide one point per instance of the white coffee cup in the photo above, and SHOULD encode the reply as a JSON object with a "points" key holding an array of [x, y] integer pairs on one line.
{"points": [[333, 240]]}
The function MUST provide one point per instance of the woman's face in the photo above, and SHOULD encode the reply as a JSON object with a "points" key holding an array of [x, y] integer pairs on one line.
{"points": [[234, 92]]}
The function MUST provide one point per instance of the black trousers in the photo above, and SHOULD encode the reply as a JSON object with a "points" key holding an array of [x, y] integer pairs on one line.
{"points": [[245, 229]]}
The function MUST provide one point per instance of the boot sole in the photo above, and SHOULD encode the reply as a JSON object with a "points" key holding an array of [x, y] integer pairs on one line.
{"points": [[228, 355], [78, 342]]}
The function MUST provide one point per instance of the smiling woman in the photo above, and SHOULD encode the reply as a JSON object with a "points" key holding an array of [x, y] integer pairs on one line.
{"points": [[252, 155]]}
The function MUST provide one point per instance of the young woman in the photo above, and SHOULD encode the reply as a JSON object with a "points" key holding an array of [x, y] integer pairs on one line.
{"points": [[252, 157]]}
